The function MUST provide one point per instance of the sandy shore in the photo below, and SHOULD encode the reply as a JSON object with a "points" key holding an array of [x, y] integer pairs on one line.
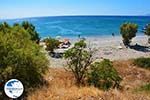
{"points": [[112, 48]]}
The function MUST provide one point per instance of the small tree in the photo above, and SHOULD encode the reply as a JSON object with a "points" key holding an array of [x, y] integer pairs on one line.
{"points": [[103, 75], [128, 31], [147, 31], [51, 44], [79, 59]]}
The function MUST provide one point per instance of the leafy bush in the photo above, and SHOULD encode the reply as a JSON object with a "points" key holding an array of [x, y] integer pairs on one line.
{"points": [[128, 31], [142, 62], [79, 60], [147, 31], [51, 44], [20, 57], [103, 75]]}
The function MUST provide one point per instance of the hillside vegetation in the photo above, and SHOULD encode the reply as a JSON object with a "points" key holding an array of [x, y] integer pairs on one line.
{"points": [[62, 85]]}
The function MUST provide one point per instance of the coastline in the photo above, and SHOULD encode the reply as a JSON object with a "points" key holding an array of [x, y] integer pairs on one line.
{"points": [[109, 48]]}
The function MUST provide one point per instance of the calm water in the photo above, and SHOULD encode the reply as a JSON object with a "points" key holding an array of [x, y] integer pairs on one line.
{"points": [[72, 26]]}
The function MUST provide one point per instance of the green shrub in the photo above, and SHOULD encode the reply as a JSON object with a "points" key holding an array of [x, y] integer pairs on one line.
{"points": [[128, 31], [20, 57], [51, 44], [142, 62], [78, 60], [147, 31], [103, 75], [80, 44]]}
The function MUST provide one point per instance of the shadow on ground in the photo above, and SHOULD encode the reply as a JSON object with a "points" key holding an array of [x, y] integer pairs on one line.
{"points": [[56, 55], [141, 48]]}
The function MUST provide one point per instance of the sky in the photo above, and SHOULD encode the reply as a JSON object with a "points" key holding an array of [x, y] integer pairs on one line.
{"points": [[35, 8]]}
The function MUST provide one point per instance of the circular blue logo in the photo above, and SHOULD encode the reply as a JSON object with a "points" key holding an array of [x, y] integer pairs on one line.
{"points": [[13, 88]]}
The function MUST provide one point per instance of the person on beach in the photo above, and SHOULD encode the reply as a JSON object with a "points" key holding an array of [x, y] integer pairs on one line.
{"points": [[79, 36], [113, 34]]}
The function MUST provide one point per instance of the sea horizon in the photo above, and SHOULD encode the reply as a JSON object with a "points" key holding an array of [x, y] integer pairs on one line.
{"points": [[71, 26], [29, 17]]}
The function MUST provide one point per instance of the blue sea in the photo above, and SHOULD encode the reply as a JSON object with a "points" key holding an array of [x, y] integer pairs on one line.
{"points": [[85, 26]]}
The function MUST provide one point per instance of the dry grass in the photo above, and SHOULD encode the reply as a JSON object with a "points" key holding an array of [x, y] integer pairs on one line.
{"points": [[133, 76], [62, 87]]}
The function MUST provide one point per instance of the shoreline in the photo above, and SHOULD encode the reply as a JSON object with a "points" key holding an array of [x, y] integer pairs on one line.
{"points": [[109, 40], [73, 38], [109, 48]]}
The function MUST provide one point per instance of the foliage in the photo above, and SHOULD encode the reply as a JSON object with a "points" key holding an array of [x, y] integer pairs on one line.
{"points": [[30, 28], [147, 31], [128, 31], [145, 87], [4, 27], [20, 57], [103, 75], [142, 62], [79, 59], [80, 44], [51, 44]]}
